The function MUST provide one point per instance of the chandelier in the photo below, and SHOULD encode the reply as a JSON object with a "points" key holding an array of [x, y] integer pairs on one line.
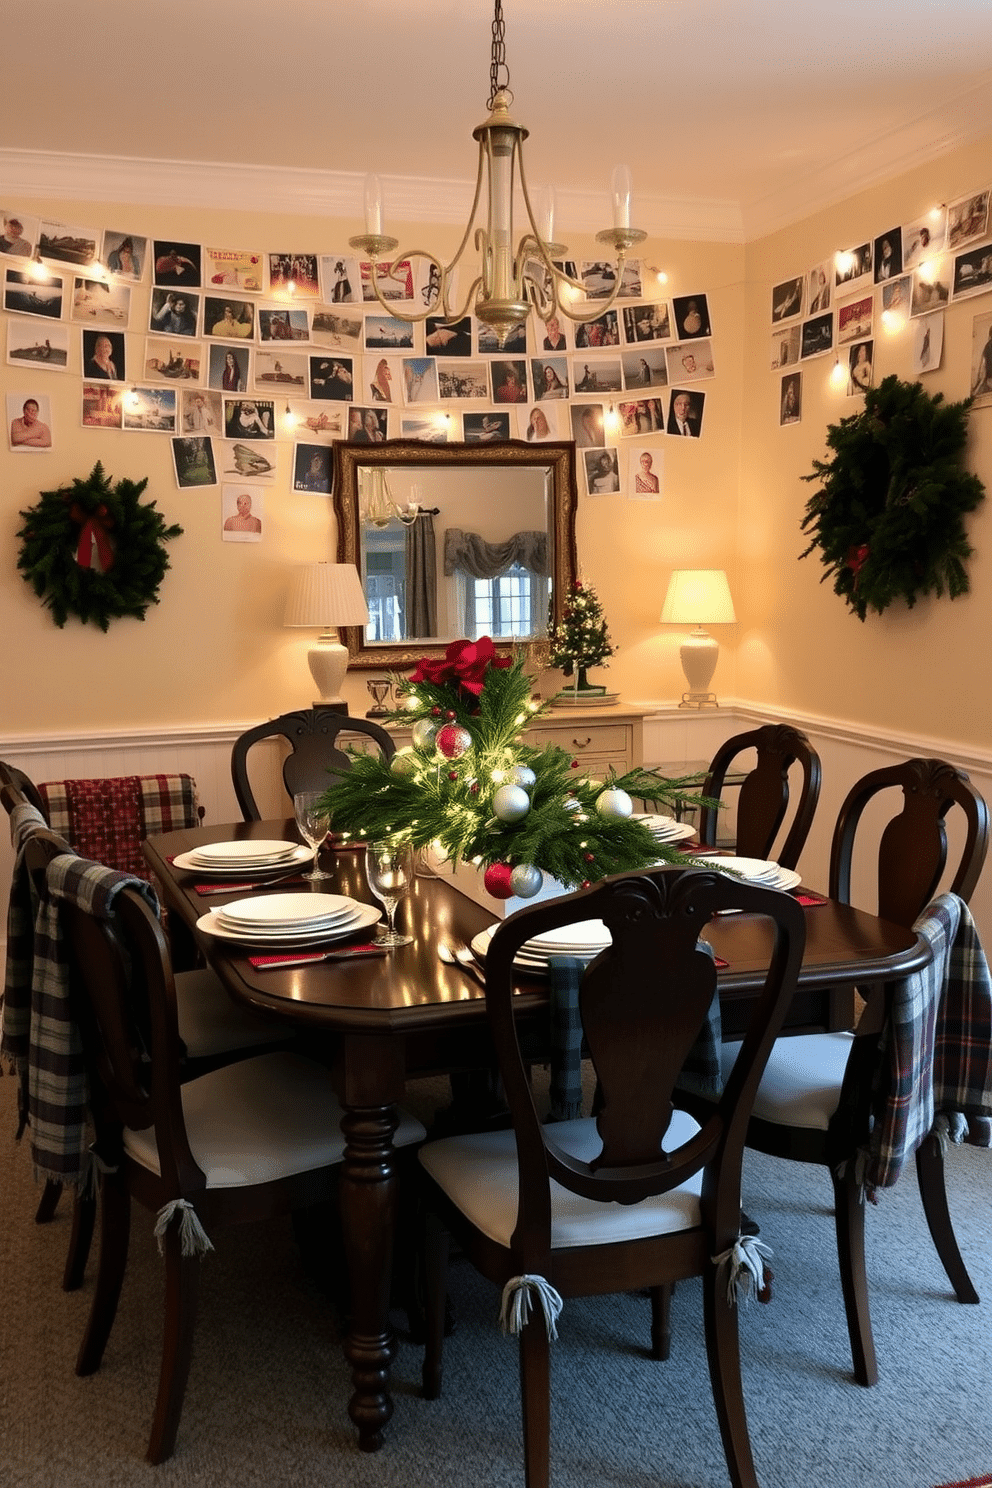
{"points": [[509, 281]]}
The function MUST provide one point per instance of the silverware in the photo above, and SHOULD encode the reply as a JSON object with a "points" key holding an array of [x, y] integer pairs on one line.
{"points": [[460, 955], [277, 962], [238, 888]]}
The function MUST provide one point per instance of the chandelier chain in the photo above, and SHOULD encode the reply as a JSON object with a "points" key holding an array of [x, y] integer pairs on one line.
{"points": [[498, 63]]}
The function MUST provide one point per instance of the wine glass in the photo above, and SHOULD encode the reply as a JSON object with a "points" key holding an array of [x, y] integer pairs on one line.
{"points": [[314, 822], [389, 870]]}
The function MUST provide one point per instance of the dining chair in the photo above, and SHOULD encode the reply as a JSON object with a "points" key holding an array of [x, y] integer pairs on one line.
{"points": [[640, 1195], [242, 1143], [764, 793], [314, 759], [819, 1096]]}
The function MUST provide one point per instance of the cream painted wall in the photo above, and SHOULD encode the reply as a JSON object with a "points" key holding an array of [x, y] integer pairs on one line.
{"points": [[920, 672]]}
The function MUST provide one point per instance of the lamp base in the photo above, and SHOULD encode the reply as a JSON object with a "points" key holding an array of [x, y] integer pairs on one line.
{"points": [[328, 660], [699, 700]]}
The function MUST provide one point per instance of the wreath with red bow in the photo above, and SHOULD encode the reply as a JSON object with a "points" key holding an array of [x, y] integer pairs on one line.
{"points": [[95, 550]]}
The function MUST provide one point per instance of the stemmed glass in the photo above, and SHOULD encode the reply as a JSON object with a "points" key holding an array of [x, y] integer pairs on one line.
{"points": [[389, 870], [314, 823], [379, 687]]}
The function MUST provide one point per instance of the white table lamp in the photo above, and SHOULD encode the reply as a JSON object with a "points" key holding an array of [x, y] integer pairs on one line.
{"points": [[324, 596], [698, 596]]}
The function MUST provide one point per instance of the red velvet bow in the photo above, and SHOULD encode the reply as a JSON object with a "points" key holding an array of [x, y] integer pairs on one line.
{"points": [[95, 526], [465, 662], [857, 558]]}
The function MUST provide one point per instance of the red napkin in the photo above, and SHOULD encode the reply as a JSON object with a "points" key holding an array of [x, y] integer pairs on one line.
{"points": [[239, 888], [810, 901], [302, 958]]}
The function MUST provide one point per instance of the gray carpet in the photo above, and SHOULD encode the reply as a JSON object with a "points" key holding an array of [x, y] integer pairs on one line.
{"points": [[266, 1405]]}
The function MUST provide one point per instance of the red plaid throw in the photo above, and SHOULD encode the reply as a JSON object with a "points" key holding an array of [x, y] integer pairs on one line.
{"points": [[107, 820]]}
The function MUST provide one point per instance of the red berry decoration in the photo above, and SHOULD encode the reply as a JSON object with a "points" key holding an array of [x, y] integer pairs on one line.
{"points": [[574, 765], [497, 880], [435, 711], [450, 714], [589, 857], [452, 740], [452, 774], [585, 884]]}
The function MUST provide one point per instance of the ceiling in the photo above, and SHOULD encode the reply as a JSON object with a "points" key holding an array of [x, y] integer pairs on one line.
{"points": [[736, 116]]}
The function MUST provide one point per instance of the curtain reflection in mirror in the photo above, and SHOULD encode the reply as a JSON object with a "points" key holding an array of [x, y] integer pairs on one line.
{"points": [[504, 587]]}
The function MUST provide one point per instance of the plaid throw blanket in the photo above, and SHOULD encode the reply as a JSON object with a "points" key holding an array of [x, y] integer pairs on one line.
{"points": [[937, 1046], [107, 820], [22, 909], [40, 1037]]}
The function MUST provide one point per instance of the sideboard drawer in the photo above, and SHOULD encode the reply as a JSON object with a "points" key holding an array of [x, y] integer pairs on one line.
{"points": [[583, 738]]}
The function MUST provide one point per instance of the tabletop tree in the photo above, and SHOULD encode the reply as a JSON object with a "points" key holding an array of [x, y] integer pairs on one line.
{"points": [[581, 639]]}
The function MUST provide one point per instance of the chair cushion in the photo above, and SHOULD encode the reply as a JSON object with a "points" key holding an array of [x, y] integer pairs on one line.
{"points": [[262, 1119], [211, 1022], [802, 1079], [479, 1174]]}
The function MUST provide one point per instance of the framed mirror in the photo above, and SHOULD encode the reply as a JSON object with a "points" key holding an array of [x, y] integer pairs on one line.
{"points": [[454, 540]]}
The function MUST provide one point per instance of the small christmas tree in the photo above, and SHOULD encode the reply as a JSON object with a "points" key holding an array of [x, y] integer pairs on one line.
{"points": [[582, 639]]}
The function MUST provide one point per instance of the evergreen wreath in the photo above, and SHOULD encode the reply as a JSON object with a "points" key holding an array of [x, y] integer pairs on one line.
{"points": [[95, 550], [889, 517]]}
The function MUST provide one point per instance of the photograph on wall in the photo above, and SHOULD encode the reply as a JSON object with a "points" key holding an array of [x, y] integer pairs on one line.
{"points": [[232, 268], [242, 513], [690, 361], [644, 368], [549, 375], [434, 428], [692, 316], [853, 269], [340, 278], [646, 322], [177, 265], [791, 404], [201, 412], [173, 361], [340, 332], [854, 319], [895, 296], [931, 285], [238, 461], [967, 219], [18, 233], [787, 300], [785, 347], [332, 378], [510, 381], [41, 344], [859, 361], [285, 371], [25, 295], [554, 334], [588, 425], [101, 302], [685, 413], [540, 424], [817, 336], [380, 377], [367, 425], [602, 471], [645, 472], [66, 243], [29, 422], [981, 360], [312, 469], [125, 254], [463, 379], [819, 287], [230, 319], [419, 380], [485, 428], [597, 375], [428, 290], [294, 274], [193, 461], [249, 418], [173, 312], [923, 237], [598, 277], [150, 410], [103, 355], [644, 416], [387, 333], [101, 406], [487, 342], [228, 368], [928, 342], [316, 422], [448, 340], [888, 255], [280, 323], [395, 281], [603, 331], [973, 272]]}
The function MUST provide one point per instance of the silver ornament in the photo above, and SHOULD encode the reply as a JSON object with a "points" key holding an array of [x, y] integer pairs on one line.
{"points": [[423, 734], [521, 775], [402, 764], [511, 803], [526, 880], [614, 805]]}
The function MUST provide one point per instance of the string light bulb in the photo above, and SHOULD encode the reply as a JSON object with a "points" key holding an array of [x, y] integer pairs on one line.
{"points": [[838, 375]]}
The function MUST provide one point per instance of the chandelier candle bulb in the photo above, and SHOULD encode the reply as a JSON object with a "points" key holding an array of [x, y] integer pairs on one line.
{"points": [[373, 206], [620, 189]]}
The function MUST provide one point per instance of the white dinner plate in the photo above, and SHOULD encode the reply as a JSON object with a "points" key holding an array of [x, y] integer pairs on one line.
{"points": [[299, 856], [532, 965], [290, 910], [584, 935], [284, 927], [248, 851], [365, 915], [677, 832], [776, 878]]}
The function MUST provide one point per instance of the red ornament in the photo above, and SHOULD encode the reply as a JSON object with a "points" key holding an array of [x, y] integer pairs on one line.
{"points": [[589, 857], [497, 880], [450, 714], [474, 787], [435, 711], [585, 884], [574, 765], [452, 740], [452, 774]]}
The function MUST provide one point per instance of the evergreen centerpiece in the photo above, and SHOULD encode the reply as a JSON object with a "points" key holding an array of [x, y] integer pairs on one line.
{"points": [[470, 788], [582, 638]]}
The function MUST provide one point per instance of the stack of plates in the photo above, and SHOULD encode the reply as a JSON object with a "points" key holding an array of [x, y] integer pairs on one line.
{"points": [[665, 828], [289, 919], [585, 939], [755, 870], [238, 858]]}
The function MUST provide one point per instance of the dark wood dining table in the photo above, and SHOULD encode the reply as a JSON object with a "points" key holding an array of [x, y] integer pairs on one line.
{"points": [[383, 1020]]}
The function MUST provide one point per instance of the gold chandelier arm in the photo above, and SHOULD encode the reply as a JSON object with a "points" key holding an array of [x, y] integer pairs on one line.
{"points": [[533, 239]]}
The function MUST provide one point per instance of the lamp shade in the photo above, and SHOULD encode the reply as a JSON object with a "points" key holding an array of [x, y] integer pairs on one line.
{"points": [[324, 594], [698, 596]]}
